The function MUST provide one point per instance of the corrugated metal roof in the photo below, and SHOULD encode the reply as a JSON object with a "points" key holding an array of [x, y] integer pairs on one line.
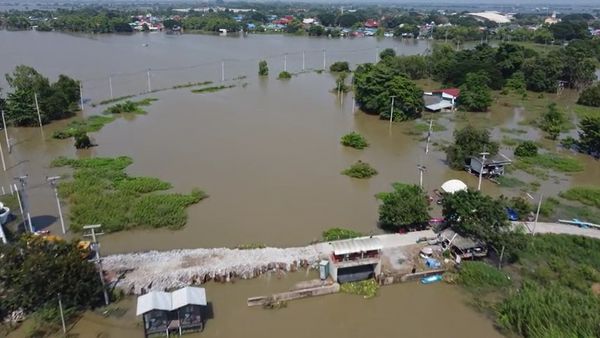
{"points": [[443, 104], [356, 245], [188, 295], [169, 301], [153, 300]]}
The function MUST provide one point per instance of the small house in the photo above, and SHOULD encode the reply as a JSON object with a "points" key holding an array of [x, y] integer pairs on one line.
{"points": [[441, 100], [464, 247], [165, 313], [355, 259], [490, 167]]}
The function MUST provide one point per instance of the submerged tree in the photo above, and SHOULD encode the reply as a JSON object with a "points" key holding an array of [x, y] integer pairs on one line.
{"points": [[589, 136], [263, 69], [475, 94], [469, 142], [552, 121], [82, 140]]}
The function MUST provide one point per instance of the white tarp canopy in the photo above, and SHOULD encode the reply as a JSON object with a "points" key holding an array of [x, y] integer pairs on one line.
{"points": [[453, 186], [169, 301], [356, 245]]}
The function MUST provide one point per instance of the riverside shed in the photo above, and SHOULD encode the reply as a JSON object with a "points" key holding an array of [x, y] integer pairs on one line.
{"points": [[355, 259], [165, 313]]}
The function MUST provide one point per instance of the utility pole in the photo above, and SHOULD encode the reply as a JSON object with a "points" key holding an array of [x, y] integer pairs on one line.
{"points": [[62, 315], [149, 83], [392, 109], [324, 59], [285, 62], [376, 54], [353, 104], [22, 197], [6, 133], [80, 96], [96, 248], [2, 156], [421, 168], [37, 107], [303, 61], [428, 137], [52, 180], [537, 213], [110, 86], [223, 71], [483, 155]]}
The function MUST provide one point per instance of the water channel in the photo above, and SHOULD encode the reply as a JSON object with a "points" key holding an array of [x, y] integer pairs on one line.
{"points": [[268, 154]]}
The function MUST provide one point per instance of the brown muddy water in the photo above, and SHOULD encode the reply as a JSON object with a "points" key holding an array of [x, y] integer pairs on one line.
{"points": [[268, 154], [403, 310]]}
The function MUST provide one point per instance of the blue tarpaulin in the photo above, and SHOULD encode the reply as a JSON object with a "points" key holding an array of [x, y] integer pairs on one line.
{"points": [[432, 263]]}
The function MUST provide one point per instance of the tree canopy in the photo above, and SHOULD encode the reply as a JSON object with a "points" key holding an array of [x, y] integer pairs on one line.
{"points": [[376, 84], [590, 96], [468, 142], [56, 101], [589, 135], [475, 95], [33, 271], [405, 208]]}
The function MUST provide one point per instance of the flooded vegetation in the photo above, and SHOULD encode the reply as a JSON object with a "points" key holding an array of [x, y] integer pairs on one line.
{"points": [[271, 164]]}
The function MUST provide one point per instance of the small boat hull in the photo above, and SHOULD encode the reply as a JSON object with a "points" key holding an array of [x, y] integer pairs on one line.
{"points": [[431, 279]]}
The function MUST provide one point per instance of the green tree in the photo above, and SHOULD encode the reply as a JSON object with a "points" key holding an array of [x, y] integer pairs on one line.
{"points": [[517, 83], [590, 96], [348, 20], [376, 84], [473, 214], [294, 27], [263, 68], [326, 19], [316, 30], [339, 66], [406, 208], [526, 149], [475, 95], [469, 142], [387, 53], [552, 121], [33, 271], [284, 75], [589, 135], [542, 72]]}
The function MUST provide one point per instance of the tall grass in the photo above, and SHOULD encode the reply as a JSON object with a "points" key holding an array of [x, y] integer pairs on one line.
{"points": [[91, 124], [479, 275], [102, 193], [556, 162], [585, 195], [335, 234]]}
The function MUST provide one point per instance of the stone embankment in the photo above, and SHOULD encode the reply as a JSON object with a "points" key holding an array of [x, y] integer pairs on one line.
{"points": [[154, 270]]}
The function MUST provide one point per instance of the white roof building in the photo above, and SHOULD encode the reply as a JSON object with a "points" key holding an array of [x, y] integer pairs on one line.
{"points": [[169, 301], [491, 16], [356, 245]]}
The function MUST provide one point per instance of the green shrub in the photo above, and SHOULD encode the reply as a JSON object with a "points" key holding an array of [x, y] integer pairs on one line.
{"points": [[82, 140], [335, 234], [360, 170], [556, 162], [366, 288], [91, 124], [526, 149], [284, 75], [339, 66], [548, 206], [354, 140], [585, 195]]}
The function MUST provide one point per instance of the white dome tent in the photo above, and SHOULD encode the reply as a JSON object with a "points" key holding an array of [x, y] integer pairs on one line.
{"points": [[453, 186]]}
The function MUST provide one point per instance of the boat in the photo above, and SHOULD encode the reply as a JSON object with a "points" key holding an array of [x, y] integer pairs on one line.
{"points": [[431, 279]]}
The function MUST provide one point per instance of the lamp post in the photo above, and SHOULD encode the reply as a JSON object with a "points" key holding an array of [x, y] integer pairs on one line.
{"points": [[93, 234], [537, 213], [483, 155], [421, 168], [52, 180], [392, 109]]}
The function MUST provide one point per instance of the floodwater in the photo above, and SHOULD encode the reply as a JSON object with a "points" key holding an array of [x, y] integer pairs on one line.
{"points": [[403, 310], [268, 154]]}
